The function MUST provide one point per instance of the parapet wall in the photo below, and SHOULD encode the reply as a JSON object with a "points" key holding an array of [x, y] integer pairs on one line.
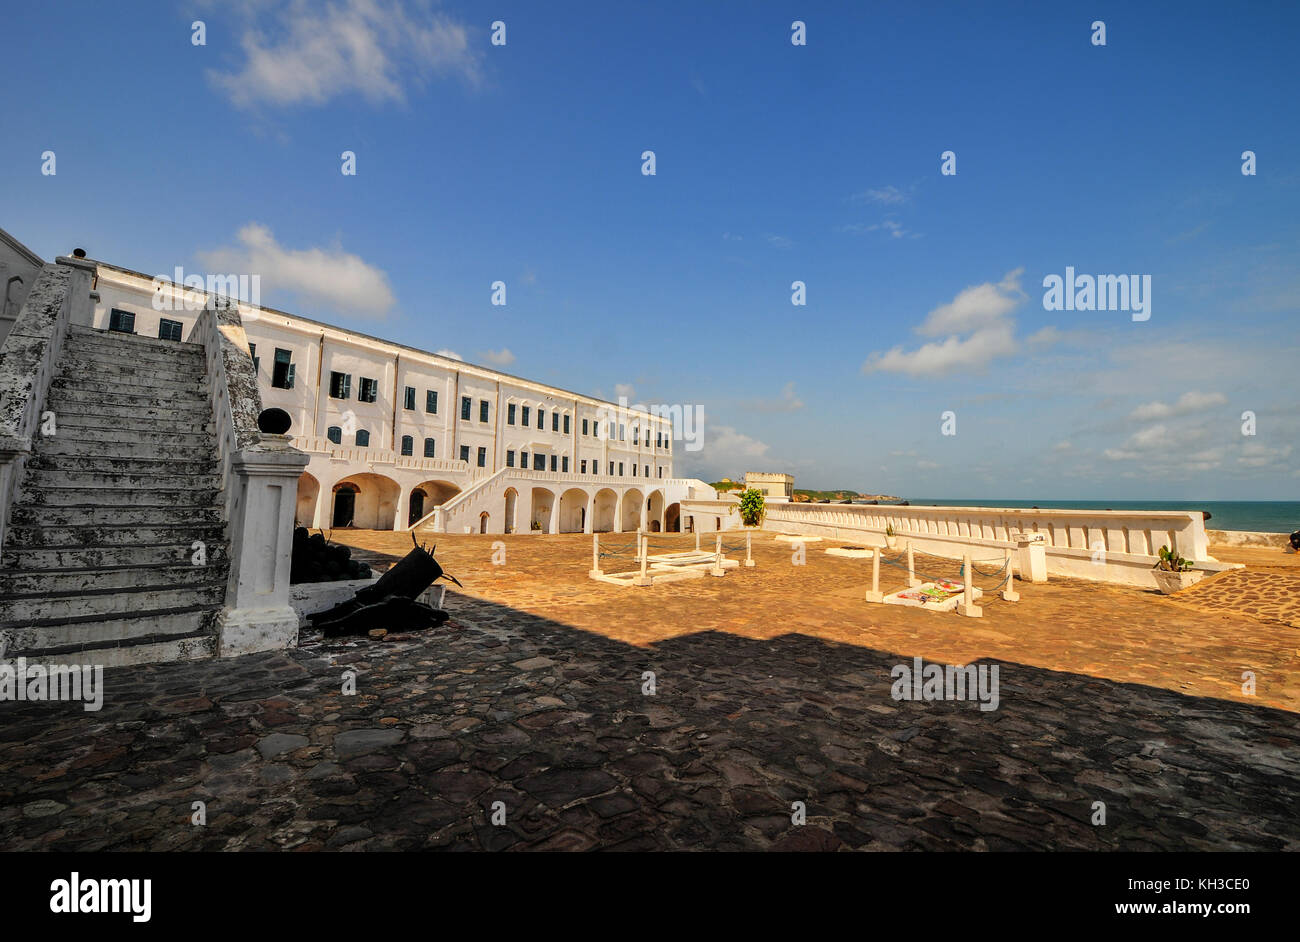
{"points": [[1105, 546]]}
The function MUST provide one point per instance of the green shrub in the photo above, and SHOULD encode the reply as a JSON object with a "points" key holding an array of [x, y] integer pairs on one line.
{"points": [[752, 507]]}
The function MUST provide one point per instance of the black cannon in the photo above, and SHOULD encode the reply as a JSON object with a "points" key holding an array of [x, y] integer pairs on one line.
{"points": [[391, 602], [1295, 540]]}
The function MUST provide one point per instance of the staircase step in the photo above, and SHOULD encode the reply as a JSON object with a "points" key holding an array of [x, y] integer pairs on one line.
{"points": [[102, 464], [16, 582], [116, 514], [66, 443], [147, 649], [111, 338], [107, 405], [190, 357], [132, 388], [178, 493], [44, 613], [39, 478], [97, 557], [40, 536], [90, 423]]}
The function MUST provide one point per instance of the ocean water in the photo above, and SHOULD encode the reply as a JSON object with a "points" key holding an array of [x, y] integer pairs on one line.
{"points": [[1261, 516]]}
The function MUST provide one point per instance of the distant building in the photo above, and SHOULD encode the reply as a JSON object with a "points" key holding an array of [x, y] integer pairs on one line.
{"points": [[773, 485]]}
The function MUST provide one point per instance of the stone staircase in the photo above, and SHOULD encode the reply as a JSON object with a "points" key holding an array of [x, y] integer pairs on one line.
{"points": [[98, 566]]}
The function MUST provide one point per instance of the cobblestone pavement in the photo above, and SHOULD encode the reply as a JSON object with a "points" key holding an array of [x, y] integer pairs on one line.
{"points": [[766, 694], [1266, 594]]}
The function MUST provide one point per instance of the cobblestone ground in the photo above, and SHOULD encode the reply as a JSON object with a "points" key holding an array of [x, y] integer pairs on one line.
{"points": [[772, 687]]}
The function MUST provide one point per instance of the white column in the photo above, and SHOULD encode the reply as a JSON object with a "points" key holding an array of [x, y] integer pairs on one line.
{"points": [[257, 615]]}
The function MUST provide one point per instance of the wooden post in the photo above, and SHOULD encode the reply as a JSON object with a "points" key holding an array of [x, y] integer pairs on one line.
{"points": [[968, 606], [912, 581], [873, 594], [643, 550], [595, 555], [749, 555], [1009, 592], [717, 569], [697, 540]]}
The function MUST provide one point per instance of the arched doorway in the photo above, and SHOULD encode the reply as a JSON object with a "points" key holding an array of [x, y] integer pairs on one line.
{"points": [[606, 507], [631, 514], [512, 503], [345, 505], [573, 510], [483, 522], [543, 507], [308, 494], [655, 511], [373, 504], [673, 518], [417, 507]]}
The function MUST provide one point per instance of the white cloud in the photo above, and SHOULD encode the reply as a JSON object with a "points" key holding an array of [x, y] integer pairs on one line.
{"points": [[1188, 403], [295, 53], [788, 402], [927, 465], [888, 195], [778, 241], [449, 354], [725, 453], [626, 390], [980, 311], [502, 357], [331, 277]]}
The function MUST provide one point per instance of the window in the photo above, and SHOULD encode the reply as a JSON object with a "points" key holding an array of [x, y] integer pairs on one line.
{"points": [[369, 390], [464, 453], [482, 457], [539, 462], [169, 330], [541, 418], [431, 401], [334, 434], [636, 435], [482, 410], [661, 471], [633, 470], [553, 462], [252, 352], [510, 414], [555, 421], [523, 460], [121, 321], [647, 470], [408, 398], [566, 423], [466, 405], [582, 466], [363, 438], [430, 448], [564, 464], [622, 432], [510, 459], [620, 470], [283, 370], [584, 426], [408, 445], [340, 385], [527, 413], [611, 469]]}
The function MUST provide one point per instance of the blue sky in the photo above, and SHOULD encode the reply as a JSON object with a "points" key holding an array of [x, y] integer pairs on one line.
{"points": [[775, 163]]}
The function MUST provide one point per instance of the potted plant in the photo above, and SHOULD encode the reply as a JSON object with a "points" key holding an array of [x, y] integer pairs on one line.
{"points": [[752, 507], [891, 540], [1174, 573]]}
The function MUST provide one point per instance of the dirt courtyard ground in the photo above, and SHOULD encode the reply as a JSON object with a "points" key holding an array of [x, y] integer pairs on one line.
{"points": [[527, 723]]}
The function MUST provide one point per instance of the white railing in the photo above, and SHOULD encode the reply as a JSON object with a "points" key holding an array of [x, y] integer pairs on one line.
{"points": [[29, 359], [380, 456]]}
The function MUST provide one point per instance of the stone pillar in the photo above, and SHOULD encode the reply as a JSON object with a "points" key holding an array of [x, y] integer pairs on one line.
{"points": [[588, 526], [264, 485], [1031, 556]]}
